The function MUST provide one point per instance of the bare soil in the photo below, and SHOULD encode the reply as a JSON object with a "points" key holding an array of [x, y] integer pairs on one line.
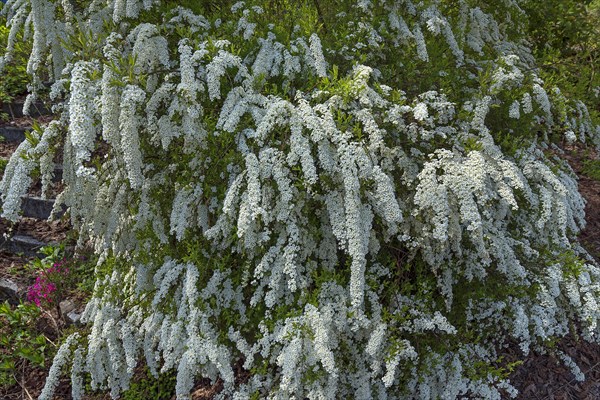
{"points": [[45, 231], [544, 377], [7, 149], [11, 265], [27, 122], [590, 190]]}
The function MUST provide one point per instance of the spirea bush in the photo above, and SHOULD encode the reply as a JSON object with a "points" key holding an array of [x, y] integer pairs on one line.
{"points": [[346, 199]]}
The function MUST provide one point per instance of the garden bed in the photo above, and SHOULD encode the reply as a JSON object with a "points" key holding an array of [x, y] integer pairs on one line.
{"points": [[544, 377]]}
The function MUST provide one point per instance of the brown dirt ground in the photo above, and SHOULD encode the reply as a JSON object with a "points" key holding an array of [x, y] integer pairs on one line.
{"points": [[11, 266], [54, 231], [27, 122], [590, 189], [7, 148], [544, 377], [54, 190]]}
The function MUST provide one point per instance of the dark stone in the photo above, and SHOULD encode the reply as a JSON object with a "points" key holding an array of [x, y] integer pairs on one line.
{"points": [[36, 207], [20, 244], [15, 110], [68, 313], [66, 306], [10, 291], [12, 134], [58, 173], [73, 318]]}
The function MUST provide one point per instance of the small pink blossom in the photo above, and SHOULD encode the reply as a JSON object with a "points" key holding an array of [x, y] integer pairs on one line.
{"points": [[45, 289]]}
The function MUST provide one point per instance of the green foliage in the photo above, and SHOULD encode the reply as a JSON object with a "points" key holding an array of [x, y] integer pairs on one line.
{"points": [[3, 164], [499, 370], [559, 24], [146, 386], [591, 168], [20, 342], [14, 76], [564, 35]]}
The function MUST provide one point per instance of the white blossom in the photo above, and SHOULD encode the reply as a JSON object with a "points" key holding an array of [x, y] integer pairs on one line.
{"points": [[514, 111], [316, 52], [129, 123], [420, 112], [60, 359], [421, 45]]}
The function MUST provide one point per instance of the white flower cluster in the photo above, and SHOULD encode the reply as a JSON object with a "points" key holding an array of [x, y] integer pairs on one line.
{"points": [[47, 37], [316, 52], [330, 229], [514, 111], [16, 181], [437, 23], [421, 45], [60, 360], [542, 99], [150, 51], [123, 9], [483, 29], [82, 124], [507, 75], [129, 123]]}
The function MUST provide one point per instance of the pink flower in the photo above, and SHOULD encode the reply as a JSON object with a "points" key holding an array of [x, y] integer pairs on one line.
{"points": [[42, 289], [49, 284]]}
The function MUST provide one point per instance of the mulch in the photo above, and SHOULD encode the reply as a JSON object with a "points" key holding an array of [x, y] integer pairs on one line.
{"points": [[54, 189], [544, 376], [7, 149], [12, 265], [45, 231], [27, 122]]}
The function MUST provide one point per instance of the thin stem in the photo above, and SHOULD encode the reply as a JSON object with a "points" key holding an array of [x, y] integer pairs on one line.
{"points": [[321, 19], [53, 321], [21, 383]]}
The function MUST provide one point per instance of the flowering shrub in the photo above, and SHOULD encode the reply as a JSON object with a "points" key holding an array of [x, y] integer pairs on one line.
{"points": [[50, 285], [351, 200], [40, 291]]}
